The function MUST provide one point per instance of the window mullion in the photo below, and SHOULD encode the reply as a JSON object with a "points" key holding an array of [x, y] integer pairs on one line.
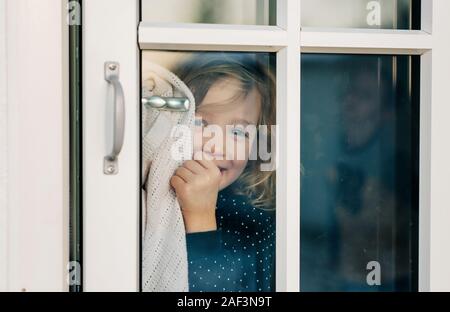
{"points": [[288, 149]]}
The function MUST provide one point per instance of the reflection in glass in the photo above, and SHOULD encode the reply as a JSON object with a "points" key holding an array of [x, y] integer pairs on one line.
{"points": [[381, 14], [226, 202], [359, 154], [248, 12]]}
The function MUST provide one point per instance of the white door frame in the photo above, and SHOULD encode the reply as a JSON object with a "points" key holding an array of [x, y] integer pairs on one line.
{"points": [[3, 151], [110, 202], [34, 178], [435, 167]]}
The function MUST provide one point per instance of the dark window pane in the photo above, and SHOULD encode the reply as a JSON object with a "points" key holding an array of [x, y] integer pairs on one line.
{"points": [[359, 154]]}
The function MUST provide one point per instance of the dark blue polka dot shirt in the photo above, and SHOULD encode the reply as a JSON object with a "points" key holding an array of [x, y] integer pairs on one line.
{"points": [[240, 255]]}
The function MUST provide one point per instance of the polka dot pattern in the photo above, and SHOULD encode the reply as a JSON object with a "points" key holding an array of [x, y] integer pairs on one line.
{"points": [[240, 255]]}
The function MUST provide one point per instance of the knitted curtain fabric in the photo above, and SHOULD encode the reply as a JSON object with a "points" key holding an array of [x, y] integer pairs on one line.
{"points": [[164, 256]]}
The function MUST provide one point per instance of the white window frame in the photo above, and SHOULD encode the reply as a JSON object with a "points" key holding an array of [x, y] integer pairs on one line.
{"points": [[111, 216]]}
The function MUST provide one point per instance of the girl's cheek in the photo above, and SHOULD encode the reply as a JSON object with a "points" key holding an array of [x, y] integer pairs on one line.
{"points": [[239, 166], [198, 139], [242, 150]]}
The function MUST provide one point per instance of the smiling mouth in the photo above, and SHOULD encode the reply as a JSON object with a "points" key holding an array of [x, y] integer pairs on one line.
{"points": [[222, 170]]}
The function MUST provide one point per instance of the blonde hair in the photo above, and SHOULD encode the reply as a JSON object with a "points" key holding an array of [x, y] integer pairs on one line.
{"points": [[203, 70]]}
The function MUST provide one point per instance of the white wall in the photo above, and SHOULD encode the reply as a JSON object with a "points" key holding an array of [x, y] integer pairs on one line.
{"points": [[440, 150], [3, 148]]}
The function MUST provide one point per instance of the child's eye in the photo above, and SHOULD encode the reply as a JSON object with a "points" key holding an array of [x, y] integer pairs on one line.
{"points": [[239, 132], [199, 122]]}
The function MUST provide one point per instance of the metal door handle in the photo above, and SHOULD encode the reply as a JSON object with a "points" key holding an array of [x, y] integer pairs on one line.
{"points": [[110, 164], [176, 104]]}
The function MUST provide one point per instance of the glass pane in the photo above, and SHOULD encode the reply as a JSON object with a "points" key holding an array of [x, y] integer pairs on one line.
{"points": [[359, 182], [385, 14], [247, 12], [208, 179]]}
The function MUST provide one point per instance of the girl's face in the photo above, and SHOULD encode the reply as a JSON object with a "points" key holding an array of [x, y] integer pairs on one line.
{"points": [[226, 108]]}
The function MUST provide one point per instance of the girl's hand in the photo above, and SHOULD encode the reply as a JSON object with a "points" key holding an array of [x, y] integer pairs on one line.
{"points": [[196, 184]]}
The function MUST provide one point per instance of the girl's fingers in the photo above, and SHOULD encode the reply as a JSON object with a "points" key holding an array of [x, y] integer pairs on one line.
{"points": [[176, 181], [205, 161], [184, 173], [194, 166], [207, 164]]}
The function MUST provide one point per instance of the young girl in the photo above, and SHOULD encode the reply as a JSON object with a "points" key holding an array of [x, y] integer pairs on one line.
{"points": [[227, 201]]}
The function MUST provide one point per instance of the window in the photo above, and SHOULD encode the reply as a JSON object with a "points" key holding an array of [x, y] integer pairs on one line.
{"points": [[353, 111], [360, 161]]}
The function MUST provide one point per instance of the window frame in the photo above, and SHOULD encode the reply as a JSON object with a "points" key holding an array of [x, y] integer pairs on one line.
{"points": [[104, 254], [34, 227], [288, 39]]}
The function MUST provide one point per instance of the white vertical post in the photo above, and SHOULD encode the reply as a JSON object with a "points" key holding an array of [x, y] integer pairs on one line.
{"points": [[288, 149], [3, 152], [37, 246], [425, 170], [110, 202], [426, 75], [426, 16], [439, 275]]}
